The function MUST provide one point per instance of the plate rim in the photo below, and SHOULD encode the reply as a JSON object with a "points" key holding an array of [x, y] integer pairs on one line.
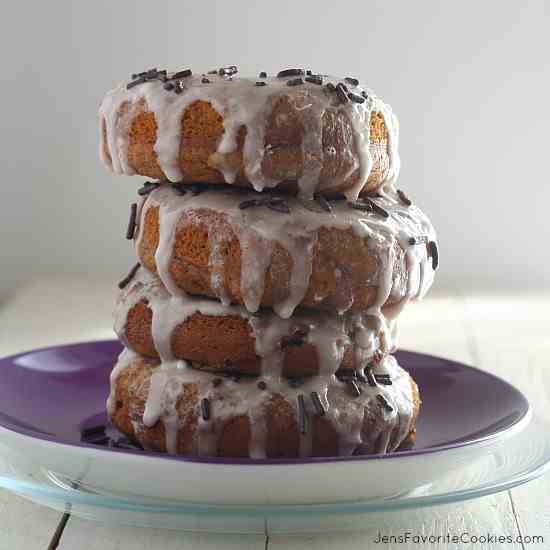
{"points": [[541, 467], [504, 433]]}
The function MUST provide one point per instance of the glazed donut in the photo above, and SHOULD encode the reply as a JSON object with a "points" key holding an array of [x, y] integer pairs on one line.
{"points": [[230, 339], [305, 133], [180, 410], [241, 248]]}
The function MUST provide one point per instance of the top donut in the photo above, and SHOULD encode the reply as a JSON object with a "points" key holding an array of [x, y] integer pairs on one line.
{"points": [[297, 130]]}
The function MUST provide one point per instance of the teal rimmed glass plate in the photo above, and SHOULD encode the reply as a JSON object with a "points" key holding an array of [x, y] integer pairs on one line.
{"points": [[504, 465]]}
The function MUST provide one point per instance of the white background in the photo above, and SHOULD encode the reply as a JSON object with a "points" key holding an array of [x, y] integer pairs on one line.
{"points": [[468, 80]]}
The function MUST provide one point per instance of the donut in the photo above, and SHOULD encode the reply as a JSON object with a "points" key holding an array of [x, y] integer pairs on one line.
{"points": [[177, 409], [281, 251], [230, 339], [303, 133]]}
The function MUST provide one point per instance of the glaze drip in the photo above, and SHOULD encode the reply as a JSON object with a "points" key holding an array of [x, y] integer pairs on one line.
{"points": [[364, 394], [361, 423], [259, 230], [330, 334], [327, 331], [242, 104]]}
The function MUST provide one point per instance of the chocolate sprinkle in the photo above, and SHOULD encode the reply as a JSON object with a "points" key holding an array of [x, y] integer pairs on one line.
{"points": [[384, 403], [141, 80], [314, 79], [262, 385], [260, 83], [432, 248], [318, 404], [132, 222], [279, 205], [352, 81], [310, 205], [403, 198], [379, 210], [205, 80], [178, 88], [356, 98], [418, 240], [249, 203], [370, 377], [101, 440], [179, 188], [147, 187], [318, 204], [295, 82], [383, 379], [341, 92], [216, 382], [330, 87], [197, 188], [368, 205], [205, 408], [334, 196], [263, 74], [124, 283], [181, 74], [290, 72], [364, 94], [354, 388], [302, 414], [93, 432], [308, 72], [323, 202], [124, 443], [228, 71], [363, 205], [168, 86], [213, 71], [294, 340]]}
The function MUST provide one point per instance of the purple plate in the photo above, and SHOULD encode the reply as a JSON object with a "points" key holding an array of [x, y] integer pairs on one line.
{"points": [[54, 393]]}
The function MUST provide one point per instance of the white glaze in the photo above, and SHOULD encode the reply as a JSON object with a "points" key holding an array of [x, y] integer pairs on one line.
{"points": [[125, 359], [241, 103], [230, 399], [329, 333], [324, 330], [258, 229]]}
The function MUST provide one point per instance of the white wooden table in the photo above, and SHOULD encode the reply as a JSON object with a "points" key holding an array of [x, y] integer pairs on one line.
{"points": [[506, 335]]}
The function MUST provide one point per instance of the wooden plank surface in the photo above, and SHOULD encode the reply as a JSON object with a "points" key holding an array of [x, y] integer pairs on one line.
{"points": [[505, 335], [24, 525], [437, 326], [88, 535], [512, 340]]}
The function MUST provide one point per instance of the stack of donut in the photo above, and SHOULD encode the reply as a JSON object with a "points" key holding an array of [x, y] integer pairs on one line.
{"points": [[274, 256]]}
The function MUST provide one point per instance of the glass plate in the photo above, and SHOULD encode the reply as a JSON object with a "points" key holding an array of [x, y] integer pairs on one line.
{"points": [[521, 458], [50, 398], [476, 437]]}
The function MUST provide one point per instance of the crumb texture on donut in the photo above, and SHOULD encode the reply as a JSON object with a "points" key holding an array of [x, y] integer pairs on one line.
{"points": [[321, 135], [345, 259], [180, 410], [230, 339], [275, 254]]}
